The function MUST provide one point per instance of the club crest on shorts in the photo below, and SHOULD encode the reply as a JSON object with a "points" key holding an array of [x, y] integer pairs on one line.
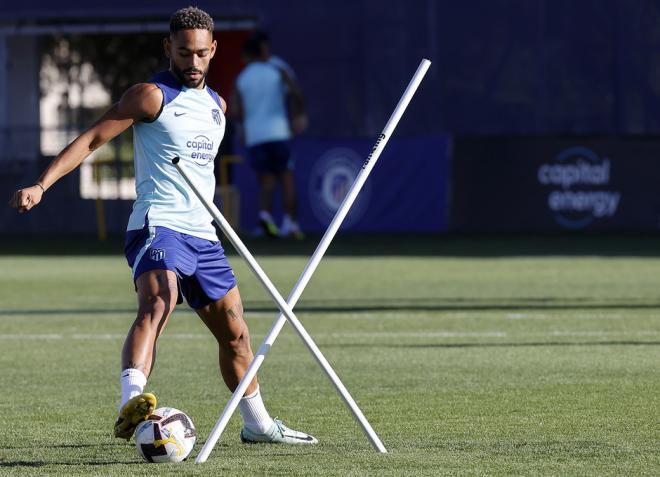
{"points": [[216, 116], [156, 254]]}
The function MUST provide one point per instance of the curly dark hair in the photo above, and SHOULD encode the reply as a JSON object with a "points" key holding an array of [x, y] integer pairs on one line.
{"points": [[191, 18]]}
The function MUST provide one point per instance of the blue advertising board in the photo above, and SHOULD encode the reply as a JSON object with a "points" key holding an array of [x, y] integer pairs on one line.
{"points": [[548, 184], [406, 191]]}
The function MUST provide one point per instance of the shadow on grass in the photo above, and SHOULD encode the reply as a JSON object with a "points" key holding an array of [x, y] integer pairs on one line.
{"points": [[414, 245], [67, 446], [471, 304], [41, 463], [392, 304], [489, 345]]}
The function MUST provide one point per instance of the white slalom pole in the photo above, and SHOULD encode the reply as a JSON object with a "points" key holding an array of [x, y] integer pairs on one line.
{"points": [[287, 312], [307, 274]]}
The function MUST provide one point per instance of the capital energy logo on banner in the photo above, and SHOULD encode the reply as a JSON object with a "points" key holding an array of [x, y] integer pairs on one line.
{"points": [[329, 182], [579, 183]]}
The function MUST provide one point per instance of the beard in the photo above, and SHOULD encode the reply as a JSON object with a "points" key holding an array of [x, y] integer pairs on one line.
{"points": [[187, 81]]}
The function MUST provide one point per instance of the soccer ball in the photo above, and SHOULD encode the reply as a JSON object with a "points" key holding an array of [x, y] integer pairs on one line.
{"points": [[168, 435]]}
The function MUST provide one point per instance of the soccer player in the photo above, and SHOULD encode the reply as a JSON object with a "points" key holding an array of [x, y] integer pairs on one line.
{"points": [[260, 99], [171, 244]]}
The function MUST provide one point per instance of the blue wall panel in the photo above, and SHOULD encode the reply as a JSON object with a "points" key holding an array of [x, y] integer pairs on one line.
{"points": [[499, 67]]}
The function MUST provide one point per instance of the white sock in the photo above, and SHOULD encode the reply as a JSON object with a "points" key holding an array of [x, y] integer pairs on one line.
{"points": [[132, 382], [255, 415], [289, 225], [265, 216]]}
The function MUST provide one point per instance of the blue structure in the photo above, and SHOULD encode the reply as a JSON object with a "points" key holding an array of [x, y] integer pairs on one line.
{"points": [[499, 67], [507, 67]]}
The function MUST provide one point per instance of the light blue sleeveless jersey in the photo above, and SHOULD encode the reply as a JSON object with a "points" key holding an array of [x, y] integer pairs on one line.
{"points": [[263, 92], [190, 125]]}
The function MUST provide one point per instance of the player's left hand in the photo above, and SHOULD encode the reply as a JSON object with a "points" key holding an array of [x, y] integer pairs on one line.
{"points": [[25, 199]]}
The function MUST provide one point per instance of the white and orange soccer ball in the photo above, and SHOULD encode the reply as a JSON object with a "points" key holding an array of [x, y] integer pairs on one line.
{"points": [[167, 436]]}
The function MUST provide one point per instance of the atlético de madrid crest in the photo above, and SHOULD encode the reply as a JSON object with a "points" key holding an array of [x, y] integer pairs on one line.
{"points": [[216, 116], [156, 254]]}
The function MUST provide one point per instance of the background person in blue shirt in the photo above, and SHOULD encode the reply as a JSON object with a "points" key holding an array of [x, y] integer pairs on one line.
{"points": [[270, 104]]}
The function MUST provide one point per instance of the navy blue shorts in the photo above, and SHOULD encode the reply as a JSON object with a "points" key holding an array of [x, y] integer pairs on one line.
{"points": [[271, 157], [203, 272]]}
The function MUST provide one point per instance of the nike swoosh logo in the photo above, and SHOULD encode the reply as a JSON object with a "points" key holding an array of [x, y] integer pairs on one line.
{"points": [[178, 114], [306, 438]]}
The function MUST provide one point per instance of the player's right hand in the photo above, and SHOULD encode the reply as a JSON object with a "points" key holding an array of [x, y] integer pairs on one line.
{"points": [[25, 199]]}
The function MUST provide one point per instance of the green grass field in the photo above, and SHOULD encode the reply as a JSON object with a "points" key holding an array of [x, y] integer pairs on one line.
{"points": [[469, 356]]}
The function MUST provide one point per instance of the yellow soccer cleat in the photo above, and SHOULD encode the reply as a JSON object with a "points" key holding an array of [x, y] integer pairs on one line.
{"points": [[269, 228], [136, 410], [297, 235]]}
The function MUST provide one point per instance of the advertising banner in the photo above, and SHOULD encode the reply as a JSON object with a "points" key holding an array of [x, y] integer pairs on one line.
{"points": [[555, 184], [406, 191]]}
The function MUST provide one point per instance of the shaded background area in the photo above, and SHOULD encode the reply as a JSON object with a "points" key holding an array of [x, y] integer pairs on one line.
{"points": [[538, 77]]}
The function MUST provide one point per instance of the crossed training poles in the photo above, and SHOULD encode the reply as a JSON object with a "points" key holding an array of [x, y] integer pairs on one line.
{"points": [[286, 307]]}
